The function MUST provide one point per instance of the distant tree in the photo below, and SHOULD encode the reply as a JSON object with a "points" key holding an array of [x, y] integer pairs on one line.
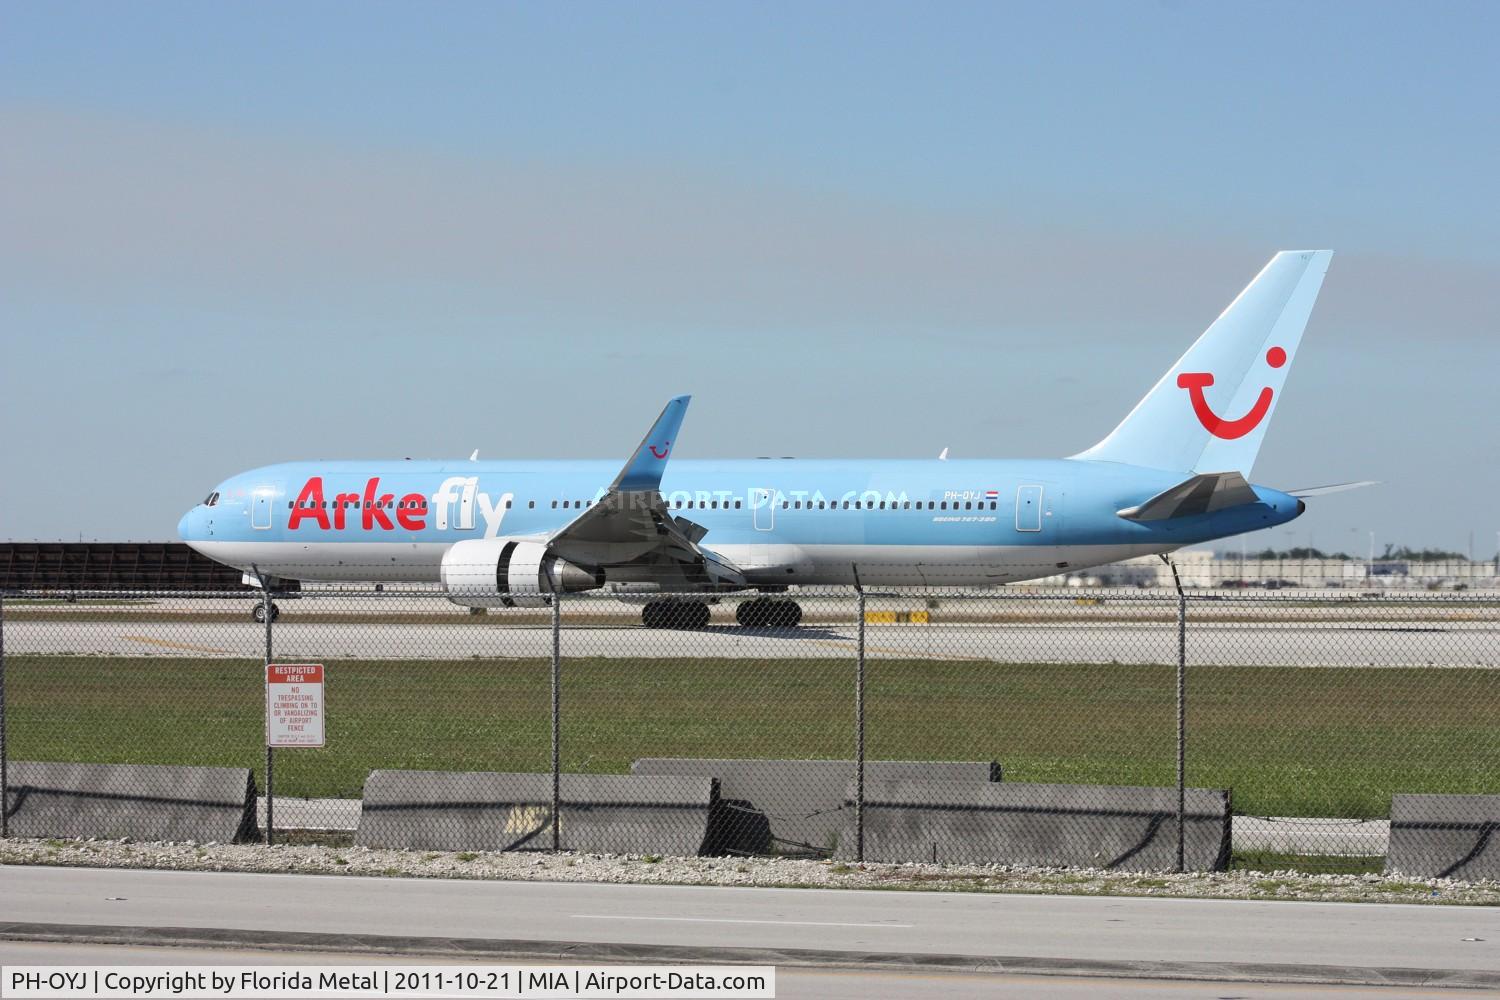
{"points": [[1392, 552], [1302, 552], [1421, 555]]}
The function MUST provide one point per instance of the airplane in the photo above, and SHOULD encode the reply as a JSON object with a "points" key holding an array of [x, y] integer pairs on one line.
{"points": [[679, 535]]}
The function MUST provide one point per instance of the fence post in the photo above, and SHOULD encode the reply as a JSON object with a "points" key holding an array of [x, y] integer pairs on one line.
{"points": [[269, 607], [4, 748], [859, 735], [1181, 714], [556, 718]]}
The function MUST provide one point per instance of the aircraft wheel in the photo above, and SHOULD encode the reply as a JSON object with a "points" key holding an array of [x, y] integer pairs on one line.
{"points": [[753, 613], [258, 613], [700, 615], [651, 615], [785, 614]]}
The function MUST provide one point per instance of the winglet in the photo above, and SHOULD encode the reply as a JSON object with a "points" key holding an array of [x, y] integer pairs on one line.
{"points": [[1322, 491], [644, 470]]}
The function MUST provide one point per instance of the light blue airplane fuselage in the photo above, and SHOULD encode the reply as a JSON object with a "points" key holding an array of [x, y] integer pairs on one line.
{"points": [[925, 520]]}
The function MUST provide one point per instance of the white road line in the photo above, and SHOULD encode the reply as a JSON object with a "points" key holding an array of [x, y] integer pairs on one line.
{"points": [[733, 920]]}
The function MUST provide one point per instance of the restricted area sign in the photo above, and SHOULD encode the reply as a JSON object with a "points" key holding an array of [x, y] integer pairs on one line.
{"points": [[294, 704]]}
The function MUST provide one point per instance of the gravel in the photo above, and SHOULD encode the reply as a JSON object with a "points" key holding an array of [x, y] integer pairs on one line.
{"points": [[769, 872]]}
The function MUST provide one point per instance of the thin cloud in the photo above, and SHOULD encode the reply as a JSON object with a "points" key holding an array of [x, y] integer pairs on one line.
{"points": [[131, 208]]}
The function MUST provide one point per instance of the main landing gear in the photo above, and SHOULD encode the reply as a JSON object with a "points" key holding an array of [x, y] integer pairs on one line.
{"points": [[675, 614], [766, 612], [258, 612]]}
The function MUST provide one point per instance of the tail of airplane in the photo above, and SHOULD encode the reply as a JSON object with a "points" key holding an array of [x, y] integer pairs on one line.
{"points": [[1209, 412]]}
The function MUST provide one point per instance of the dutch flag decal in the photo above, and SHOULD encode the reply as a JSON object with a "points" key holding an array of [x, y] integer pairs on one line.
{"points": [[992, 494]]}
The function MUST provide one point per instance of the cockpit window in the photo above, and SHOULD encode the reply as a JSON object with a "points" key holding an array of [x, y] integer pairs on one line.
{"points": [[211, 499]]}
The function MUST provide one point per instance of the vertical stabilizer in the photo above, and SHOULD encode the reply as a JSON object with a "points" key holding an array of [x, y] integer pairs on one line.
{"points": [[1210, 411]]}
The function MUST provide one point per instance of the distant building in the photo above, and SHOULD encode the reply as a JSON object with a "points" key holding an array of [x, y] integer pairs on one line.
{"points": [[1202, 568], [67, 566]]}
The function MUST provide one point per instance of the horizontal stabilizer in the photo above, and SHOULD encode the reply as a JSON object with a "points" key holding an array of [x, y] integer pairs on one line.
{"points": [[1202, 494], [1320, 491]]}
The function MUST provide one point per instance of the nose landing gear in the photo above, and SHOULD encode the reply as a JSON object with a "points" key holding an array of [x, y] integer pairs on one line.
{"points": [[258, 612]]}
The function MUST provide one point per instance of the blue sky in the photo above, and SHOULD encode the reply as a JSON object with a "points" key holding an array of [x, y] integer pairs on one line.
{"points": [[238, 234]]}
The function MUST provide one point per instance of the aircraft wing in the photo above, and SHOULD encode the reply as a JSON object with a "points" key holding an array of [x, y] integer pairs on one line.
{"points": [[1202, 494], [630, 526]]}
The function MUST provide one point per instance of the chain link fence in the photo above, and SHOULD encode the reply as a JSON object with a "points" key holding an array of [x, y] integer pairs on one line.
{"points": [[1129, 728]]}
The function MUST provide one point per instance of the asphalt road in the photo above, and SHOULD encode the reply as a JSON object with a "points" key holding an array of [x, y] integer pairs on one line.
{"points": [[792, 983], [1407, 641], [1202, 939]]}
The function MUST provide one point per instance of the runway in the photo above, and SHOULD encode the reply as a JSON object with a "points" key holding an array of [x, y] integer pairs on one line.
{"points": [[1407, 641], [1067, 935]]}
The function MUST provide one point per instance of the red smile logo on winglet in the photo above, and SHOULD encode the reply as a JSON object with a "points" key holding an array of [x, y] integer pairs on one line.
{"points": [[666, 449], [1222, 427]]}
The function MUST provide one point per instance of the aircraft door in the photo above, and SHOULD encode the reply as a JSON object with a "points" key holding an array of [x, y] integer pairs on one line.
{"points": [[1029, 508], [763, 508], [260, 507]]}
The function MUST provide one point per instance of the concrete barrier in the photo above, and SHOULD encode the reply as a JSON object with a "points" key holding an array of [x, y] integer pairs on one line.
{"points": [[139, 801], [601, 813], [1445, 836], [795, 807], [1092, 826]]}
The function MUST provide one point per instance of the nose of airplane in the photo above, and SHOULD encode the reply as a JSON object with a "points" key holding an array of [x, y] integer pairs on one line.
{"points": [[185, 526]]}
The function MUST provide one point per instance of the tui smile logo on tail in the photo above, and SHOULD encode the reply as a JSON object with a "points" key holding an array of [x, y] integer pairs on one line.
{"points": [[666, 449], [1223, 427]]}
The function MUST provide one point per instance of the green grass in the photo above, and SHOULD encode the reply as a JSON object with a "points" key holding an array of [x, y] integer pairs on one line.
{"points": [[1287, 741]]}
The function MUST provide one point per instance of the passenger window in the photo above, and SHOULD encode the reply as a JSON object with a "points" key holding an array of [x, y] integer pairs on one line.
{"points": [[507, 505], [737, 505], [531, 505], [554, 505], [784, 505]]}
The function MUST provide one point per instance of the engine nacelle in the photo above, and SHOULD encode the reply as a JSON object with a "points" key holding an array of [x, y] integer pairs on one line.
{"points": [[510, 573]]}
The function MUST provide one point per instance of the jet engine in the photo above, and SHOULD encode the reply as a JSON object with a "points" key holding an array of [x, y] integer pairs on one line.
{"points": [[510, 573]]}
